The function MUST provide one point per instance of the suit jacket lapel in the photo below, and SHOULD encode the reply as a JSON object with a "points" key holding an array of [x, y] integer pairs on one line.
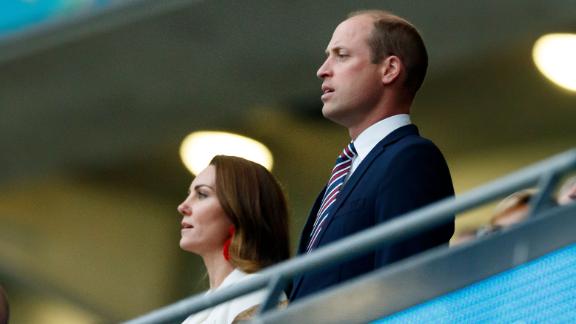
{"points": [[361, 170], [305, 236]]}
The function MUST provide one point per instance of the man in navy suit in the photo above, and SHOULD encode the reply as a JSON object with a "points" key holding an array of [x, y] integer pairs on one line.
{"points": [[375, 64]]}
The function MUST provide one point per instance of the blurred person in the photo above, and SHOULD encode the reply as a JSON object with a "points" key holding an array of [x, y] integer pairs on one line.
{"points": [[375, 64], [567, 192], [235, 217], [4, 307], [512, 210]]}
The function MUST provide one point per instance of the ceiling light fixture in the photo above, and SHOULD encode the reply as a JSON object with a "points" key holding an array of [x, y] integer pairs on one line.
{"points": [[199, 148], [555, 57]]}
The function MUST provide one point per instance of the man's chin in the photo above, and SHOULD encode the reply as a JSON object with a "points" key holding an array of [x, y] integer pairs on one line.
{"points": [[332, 114], [328, 111]]}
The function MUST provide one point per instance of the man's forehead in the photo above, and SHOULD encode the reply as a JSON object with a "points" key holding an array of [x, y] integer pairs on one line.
{"points": [[360, 22], [351, 29]]}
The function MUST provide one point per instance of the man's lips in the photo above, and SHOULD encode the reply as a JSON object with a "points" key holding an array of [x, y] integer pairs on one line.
{"points": [[326, 92], [326, 89]]}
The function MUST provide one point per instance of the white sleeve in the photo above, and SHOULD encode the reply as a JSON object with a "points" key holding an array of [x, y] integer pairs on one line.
{"points": [[241, 304]]}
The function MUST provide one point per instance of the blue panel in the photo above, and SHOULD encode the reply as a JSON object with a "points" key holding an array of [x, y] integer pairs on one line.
{"points": [[16, 15], [540, 291]]}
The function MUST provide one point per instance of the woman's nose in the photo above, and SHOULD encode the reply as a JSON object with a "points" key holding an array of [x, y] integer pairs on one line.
{"points": [[184, 209]]}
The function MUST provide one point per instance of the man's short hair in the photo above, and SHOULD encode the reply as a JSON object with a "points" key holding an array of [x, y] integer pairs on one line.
{"points": [[393, 35]]}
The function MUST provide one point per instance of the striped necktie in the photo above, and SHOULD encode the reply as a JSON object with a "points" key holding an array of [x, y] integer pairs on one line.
{"points": [[339, 173]]}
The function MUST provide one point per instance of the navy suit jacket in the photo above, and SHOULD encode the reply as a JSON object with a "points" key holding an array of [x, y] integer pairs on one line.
{"points": [[403, 172]]}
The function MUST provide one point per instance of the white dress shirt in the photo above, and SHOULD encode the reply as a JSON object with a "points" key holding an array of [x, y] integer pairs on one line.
{"points": [[372, 135]]}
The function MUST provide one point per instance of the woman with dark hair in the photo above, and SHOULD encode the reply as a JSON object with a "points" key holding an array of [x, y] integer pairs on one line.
{"points": [[235, 217]]}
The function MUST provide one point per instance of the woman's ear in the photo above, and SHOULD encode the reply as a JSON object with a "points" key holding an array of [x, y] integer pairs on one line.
{"points": [[391, 69]]}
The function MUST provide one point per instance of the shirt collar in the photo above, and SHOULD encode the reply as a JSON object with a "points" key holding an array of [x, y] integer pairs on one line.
{"points": [[372, 135]]}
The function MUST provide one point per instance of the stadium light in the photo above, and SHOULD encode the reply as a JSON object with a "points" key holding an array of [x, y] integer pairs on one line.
{"points": [[555, 57], [199, 148]]}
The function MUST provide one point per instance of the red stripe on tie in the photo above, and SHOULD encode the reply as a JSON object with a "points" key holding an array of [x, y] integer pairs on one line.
{"points": [[337, 178]]}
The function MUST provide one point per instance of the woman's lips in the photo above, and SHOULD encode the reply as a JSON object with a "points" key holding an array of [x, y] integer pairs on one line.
{"points": [[186, 226]]}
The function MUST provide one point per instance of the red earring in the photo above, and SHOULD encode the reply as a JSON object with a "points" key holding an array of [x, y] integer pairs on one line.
{"points": [[226, 248]]}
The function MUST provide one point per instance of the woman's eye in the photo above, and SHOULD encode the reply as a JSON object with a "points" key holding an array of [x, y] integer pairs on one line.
{"points": [[201, 195]]}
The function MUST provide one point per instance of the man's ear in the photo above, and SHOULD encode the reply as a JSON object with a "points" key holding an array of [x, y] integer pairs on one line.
{"points": [[391, 69]]}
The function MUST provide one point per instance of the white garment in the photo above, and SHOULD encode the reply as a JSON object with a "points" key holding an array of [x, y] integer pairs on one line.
{"points": [[365, 142], [226, 313]]}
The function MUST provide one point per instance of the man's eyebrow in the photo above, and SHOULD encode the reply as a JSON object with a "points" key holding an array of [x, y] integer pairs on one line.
{"points": [[334, 49]]}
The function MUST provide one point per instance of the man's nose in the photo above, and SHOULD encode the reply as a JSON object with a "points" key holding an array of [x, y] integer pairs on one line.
{"points": [[324, 70]]}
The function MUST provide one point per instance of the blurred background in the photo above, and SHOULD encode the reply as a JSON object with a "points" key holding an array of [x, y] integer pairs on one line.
{"points": [[96, 97]]}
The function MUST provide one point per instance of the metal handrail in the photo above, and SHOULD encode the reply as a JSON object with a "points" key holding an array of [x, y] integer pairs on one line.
{"points": [[544, 174]]}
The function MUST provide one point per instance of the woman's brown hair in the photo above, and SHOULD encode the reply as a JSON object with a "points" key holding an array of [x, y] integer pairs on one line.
{"points": [[253, 200]]}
